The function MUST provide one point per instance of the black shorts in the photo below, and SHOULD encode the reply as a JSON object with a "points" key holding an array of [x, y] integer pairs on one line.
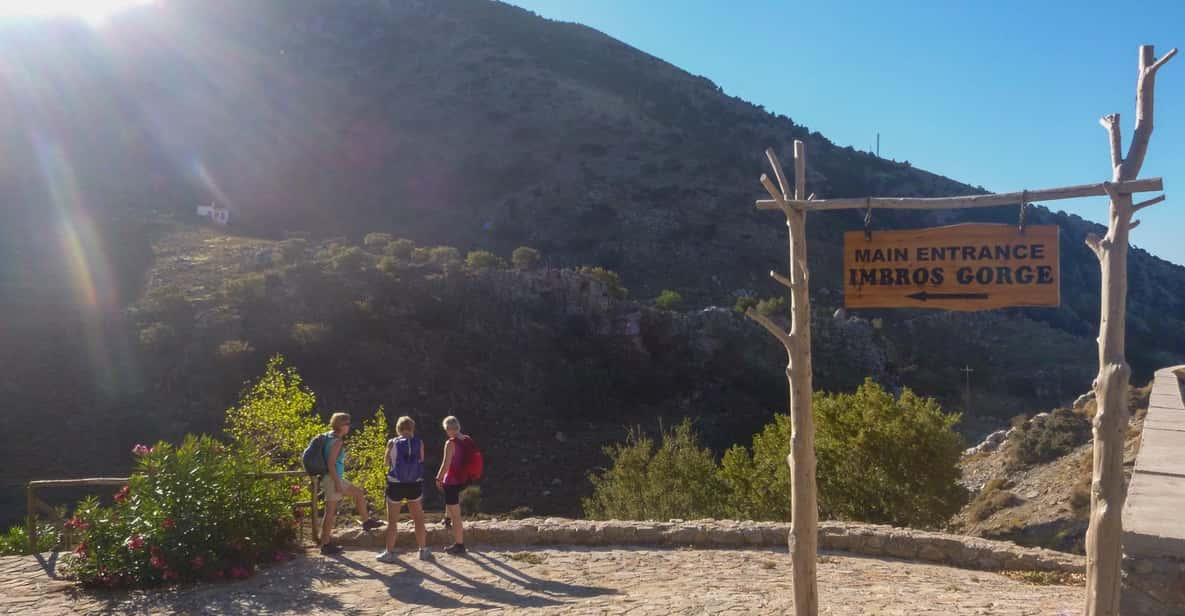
{"points": [[452, 493], [396, 492]]}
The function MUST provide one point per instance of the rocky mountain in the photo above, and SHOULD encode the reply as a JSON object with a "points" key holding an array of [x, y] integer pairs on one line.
{"points": [[461, 122]]}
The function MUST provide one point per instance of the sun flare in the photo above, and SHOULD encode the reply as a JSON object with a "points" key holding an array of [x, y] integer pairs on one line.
{"points": [[93, 12]]}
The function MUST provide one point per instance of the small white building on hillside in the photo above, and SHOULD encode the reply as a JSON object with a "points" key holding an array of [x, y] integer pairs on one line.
{"points": [[218, 214]]}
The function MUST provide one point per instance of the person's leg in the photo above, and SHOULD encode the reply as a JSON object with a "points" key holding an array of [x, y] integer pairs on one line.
{"points": [[454, 514], [417, 516], [360, 508], [327, 524], [393, 509]]}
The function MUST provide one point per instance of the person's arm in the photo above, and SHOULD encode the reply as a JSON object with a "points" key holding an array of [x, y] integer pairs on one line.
{"points": [[333, 453], [448, 458], [387, 456], [421, 452]]}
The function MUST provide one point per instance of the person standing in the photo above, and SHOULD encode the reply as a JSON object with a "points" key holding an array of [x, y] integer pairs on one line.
{"points": [[460, 454], [335, 485], [405, 484]]}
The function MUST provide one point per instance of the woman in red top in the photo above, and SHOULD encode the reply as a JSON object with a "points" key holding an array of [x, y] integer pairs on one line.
{"points": [[450, 479]]}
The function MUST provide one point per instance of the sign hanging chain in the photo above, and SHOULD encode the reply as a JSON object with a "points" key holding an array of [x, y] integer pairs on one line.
{"points": [[1024, 198], [867, 218]]}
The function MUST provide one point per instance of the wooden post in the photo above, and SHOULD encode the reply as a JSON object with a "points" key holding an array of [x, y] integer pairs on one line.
{"points": [[804, 510], [31, 519], [314, 484], [1104, 550]]}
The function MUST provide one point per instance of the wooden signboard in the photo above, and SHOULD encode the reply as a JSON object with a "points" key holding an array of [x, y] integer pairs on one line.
{"points": [[961, 267]]}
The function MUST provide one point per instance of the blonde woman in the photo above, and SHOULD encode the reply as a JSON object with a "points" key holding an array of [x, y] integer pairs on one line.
{"points": [[405, 484], [461, 464], [335, 485]]}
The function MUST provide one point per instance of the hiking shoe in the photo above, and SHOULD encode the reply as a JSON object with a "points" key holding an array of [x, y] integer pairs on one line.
{"points": [[329, 549], [371, 524], [455, 549], [425, 554], [386, 556]]}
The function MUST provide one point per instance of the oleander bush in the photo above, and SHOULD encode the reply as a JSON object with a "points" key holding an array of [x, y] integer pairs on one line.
{"points": [[198, 510]]}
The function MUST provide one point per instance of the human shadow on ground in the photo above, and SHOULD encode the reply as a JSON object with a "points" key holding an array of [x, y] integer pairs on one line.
{"points": [[514, 575], [406, 586]]}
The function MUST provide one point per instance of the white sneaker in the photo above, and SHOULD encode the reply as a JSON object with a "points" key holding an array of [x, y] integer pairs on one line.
{"points": [[425, 554], [386, 557]]}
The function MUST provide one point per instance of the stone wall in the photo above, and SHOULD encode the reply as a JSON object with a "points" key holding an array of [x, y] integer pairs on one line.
{"points": [[864, 539]]}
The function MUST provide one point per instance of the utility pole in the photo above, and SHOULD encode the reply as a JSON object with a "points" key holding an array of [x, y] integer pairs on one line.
{"points": [[878, 145], [967, 392]]}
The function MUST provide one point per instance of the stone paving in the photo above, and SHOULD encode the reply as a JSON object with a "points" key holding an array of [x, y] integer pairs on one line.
{"points": [[557, 580]]}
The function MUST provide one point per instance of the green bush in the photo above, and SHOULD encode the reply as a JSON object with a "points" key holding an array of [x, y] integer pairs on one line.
{"points": [[158, 337], [234, 349], [483, 259], [195, 511], [608, 278], [1047, 438], [524, 258], [880, 459], [244, 290], [442, 255], [677, 479], [274, 418], [310, 335], [16, 541], [669, 300], [744, 303], [771, 306], [289, 251], [376, 242], [991, 499], [400, 248], [470, 498], [350, 259], [367, 464], [388, 264]]}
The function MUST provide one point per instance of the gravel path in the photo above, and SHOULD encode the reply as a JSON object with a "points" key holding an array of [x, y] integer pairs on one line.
{"points": [[575, 580]]}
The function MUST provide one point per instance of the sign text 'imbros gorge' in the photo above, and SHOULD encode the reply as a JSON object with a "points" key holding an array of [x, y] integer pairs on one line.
{"points": [[961, 267]]}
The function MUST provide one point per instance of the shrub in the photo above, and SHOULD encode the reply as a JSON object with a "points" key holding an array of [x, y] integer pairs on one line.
{"points": [[350, 259], [677, 479], [157, 337], [16, 541], [234, 349], [470, 498], [289, 251], [669, 300], [310, 335], [388, 264], [244, 290], [744, 303], [771, 306], [608, 278], [991, 499], [524, 258], [400, 248], [1080, 497], [442, 255], [880, 459], [483, 259], [198, 510], [167, 303], [274, 419], [376, 242], [367, 464], [1046, 438]]}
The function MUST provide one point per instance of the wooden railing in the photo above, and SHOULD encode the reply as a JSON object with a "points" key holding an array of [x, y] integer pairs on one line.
{"points": [[35, 504]]}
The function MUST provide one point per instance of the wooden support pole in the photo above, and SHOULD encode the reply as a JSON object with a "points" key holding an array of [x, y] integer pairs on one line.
{"points": [[965, 201], [804, 508], [31, 518], [1104, 550]]}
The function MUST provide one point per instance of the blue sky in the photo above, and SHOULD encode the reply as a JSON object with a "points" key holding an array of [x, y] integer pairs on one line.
{"points": [[1004, 94]]}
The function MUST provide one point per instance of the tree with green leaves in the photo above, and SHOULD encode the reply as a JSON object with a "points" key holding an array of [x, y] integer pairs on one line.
{"points": [[274, 418], [367, 466]]}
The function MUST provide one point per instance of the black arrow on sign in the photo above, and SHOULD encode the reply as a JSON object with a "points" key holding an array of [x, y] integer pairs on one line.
{"points": [[923, 296]]}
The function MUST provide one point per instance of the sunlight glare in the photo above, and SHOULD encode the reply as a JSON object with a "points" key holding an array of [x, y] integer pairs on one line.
{"points": [[93, 12]]}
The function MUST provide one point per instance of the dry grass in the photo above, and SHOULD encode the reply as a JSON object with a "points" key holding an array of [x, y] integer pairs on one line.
{"points": [[1046, 578], [528, 557]]}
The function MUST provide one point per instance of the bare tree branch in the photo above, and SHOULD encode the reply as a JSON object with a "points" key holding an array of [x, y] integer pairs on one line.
{"points": [[1133, 224], [1150, 202], [772, 328], [1145, 99], [1095, 244], [781, 279], [1111, 123], [781, 175], [1165, 58], [772, 190]]}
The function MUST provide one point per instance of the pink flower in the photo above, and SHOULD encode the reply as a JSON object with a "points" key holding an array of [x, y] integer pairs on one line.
{"points": [[135, 542], [197, 562], [297, 488], [122, 494], [219, 574], [158, 562], [168, 524], [141, 450], [80, 550], [280, 556], [239, 572], [171, 575]]}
